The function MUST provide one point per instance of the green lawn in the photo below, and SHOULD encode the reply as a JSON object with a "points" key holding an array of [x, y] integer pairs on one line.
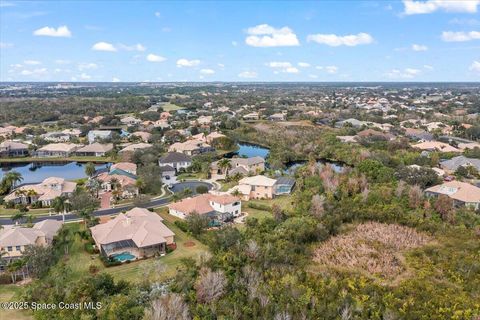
{"points": [[11, 212], [284, 202], [10, 293], [196, 175], [79, 260], [170, 107]]}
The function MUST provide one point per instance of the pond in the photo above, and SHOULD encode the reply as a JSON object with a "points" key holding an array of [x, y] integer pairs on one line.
{"points": [[34, 172], [250, 150], [253, 150]]}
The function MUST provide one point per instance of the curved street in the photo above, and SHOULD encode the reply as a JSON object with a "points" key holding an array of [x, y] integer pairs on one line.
{"points": [[178, 187]]}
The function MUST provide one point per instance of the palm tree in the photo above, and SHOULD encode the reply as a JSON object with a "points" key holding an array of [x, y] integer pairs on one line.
{"points": [[94, 186], [236, 193], [225, 165], [11, 179], [61, 205], [18, 216], [90, 169]]}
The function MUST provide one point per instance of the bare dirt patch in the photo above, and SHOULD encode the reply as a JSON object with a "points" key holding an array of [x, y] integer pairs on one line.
{"points": [[373, 247], [189, 244]]}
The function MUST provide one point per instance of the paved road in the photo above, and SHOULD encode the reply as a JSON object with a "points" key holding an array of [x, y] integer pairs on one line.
{"points": [[105, 212]]}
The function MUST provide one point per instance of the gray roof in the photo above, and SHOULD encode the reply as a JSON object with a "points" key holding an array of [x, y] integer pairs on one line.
{"points": [[166, 168], [286, 181], [459, 161], [172, 157]]}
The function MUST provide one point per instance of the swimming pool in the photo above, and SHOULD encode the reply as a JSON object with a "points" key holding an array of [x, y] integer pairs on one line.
{"points": [[124, 256]]}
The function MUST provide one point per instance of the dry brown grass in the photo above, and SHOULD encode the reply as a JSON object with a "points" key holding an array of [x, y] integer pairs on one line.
{"points": [[372, 247]]}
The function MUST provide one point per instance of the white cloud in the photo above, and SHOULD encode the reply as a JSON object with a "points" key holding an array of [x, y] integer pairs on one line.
{"points": [[61, 61], [247, 74], [85, 76], [157, 14], [475, 66], [221, 65], [155, 58], [136, 47], [304, 64], [319, 67], [313, 76], [207, 71], [408, 73], [419, 47], [334, 40], [451, 36], [234, 43], [115, 79], [331, 69], [5, 45], [187, 63], [32, 62], [61, 31], [428, 67], [87, 66], [34, 72], [104, 46], [429, 6], [280, 66], [264, 35], [4, 4]]}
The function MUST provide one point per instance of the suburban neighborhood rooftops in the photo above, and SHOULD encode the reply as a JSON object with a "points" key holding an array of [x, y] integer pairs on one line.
{"points": [[174, 157]]}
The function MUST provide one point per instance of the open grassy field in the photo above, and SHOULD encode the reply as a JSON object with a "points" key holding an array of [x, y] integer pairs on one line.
{"points": [[170, 107], [11, 212]]}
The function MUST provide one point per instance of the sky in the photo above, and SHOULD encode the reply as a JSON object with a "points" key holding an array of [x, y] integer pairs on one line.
{"points": [[134, 41]]}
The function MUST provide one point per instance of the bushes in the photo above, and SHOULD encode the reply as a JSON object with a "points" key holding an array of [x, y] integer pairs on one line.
{"points": [[201, 189], [182, 225], [90, 248], [259, 206], [109, 262]]}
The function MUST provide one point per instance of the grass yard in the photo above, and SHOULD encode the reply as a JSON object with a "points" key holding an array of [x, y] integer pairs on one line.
{"points": [[170, 107], [11, 212], [79, 260], [10, 293]]}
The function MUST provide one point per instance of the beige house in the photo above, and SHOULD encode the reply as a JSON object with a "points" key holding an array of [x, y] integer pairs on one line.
{"points": [[14, 240], [44, 192], [95, 150], [57, 150], [256, 187], [243, 166], [134, 234], [435, 146], [191, 147], [462, 193], [217, 207], [135, 146], [11, 148]]}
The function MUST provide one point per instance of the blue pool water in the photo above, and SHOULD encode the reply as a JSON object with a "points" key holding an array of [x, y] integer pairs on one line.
{"points": [[124, 256]]}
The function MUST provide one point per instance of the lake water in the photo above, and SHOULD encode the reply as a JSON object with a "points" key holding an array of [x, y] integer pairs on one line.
{"points": [[35, 172], [252, 150]]}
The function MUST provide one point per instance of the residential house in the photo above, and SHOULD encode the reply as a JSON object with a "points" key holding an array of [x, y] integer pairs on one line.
{"points": [[191, 147], [137, 232], [251, 116], [44, 192], [453, 164], [99, 135], [219, 208], [129, 120], [462, 193], [418, 134], [11, 148], [125, 166], [277, 117], [63, 150], [145, 136], [56, 136], [243, 166], [169, 175], [175, 160], [135, 146], [95, 150], [435, 146], [256, 187], [15, 240], [120, 180]]}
